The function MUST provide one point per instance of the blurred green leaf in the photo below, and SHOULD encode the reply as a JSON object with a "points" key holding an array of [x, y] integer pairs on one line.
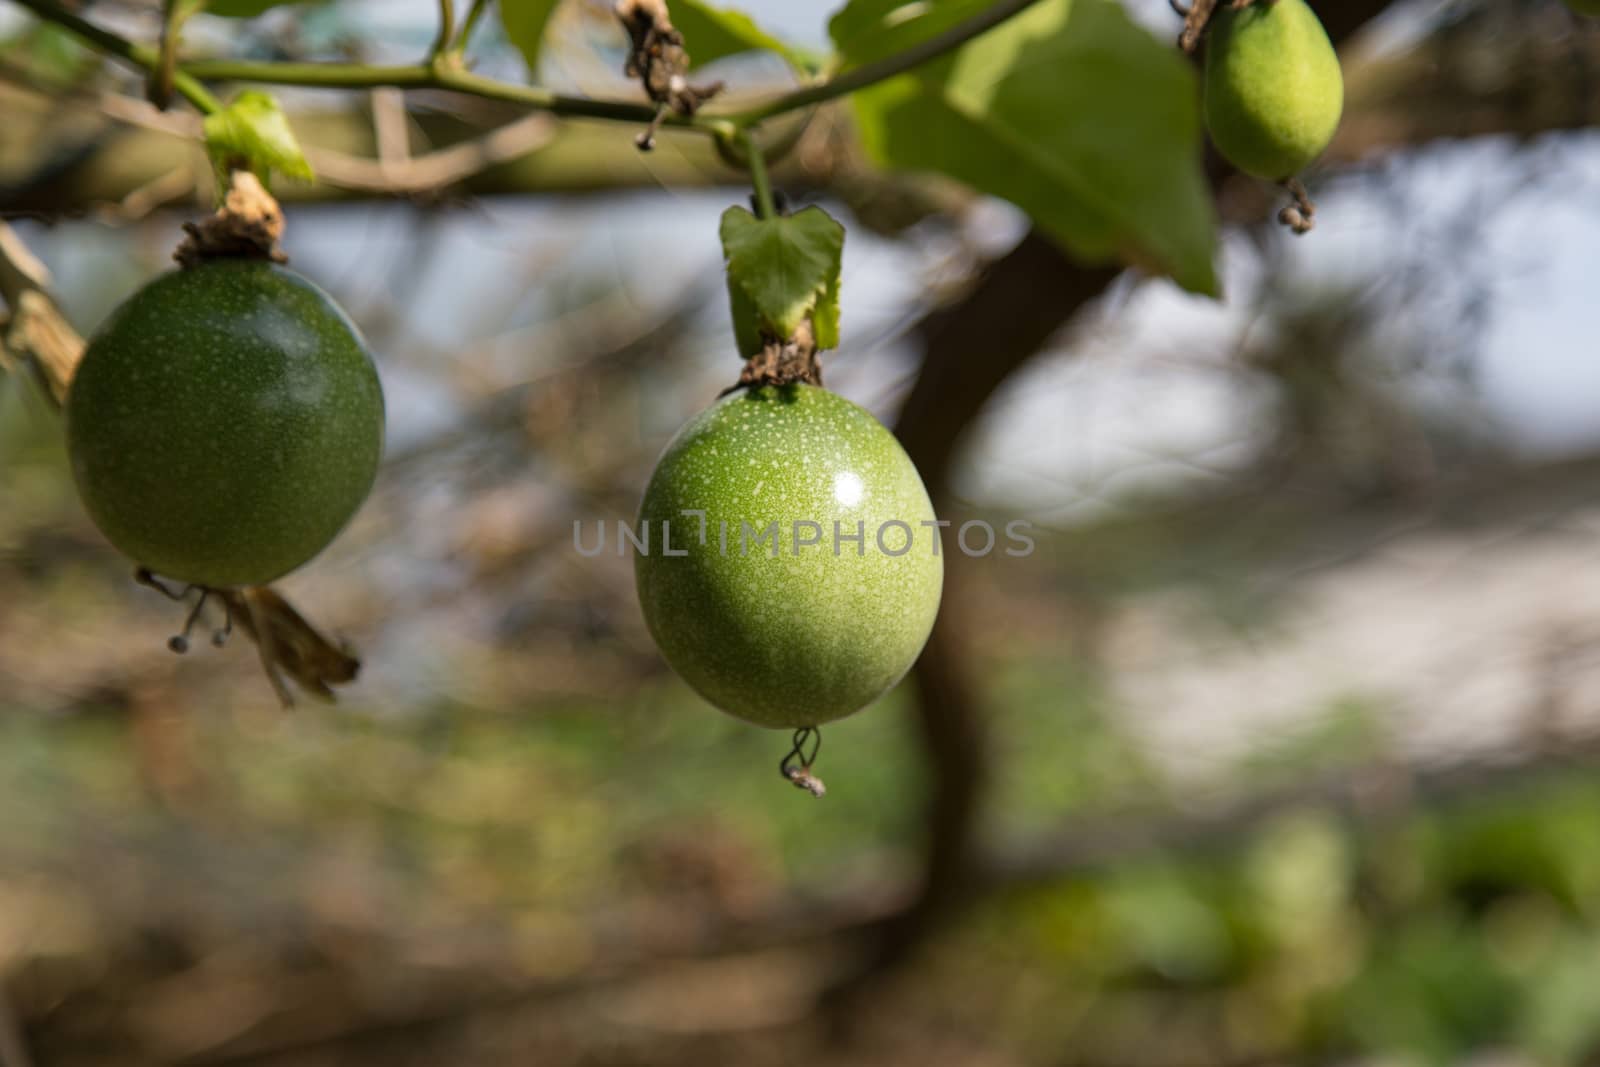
{"points": [[1069, 110], [1430, 991], [782, 271], [1299, 876], [253, 128], [711, 33], [1560, 1022], [53, 56], [1170, 927], [243, 9], [865, 30], [525, 22]]}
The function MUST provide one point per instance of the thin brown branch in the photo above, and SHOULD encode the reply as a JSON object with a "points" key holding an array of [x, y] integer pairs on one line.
{"points": [[393, 173], [438, 169], [1008, 318]]}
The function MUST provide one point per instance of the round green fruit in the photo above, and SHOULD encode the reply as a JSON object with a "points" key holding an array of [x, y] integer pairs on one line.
{"points": [[1585, 7], [1273, 90], [225, 423], [777, 614]]}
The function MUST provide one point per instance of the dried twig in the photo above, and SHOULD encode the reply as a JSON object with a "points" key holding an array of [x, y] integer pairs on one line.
{"points": [[656, 57]]}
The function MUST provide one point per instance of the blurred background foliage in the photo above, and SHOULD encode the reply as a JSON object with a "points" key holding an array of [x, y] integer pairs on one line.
{"points": [[1280, 749]]}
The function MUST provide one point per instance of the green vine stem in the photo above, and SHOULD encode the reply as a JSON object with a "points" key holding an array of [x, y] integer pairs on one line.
{"points": [[887, 67], [447, 32], [474, 14], [188, 77], [766, 206], [139, 55], [159, 85]]}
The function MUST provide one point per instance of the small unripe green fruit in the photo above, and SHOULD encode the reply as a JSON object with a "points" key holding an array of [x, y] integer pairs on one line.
{"points": [[819, 630], [225, 423], [1273, 90], [1585, 7]]}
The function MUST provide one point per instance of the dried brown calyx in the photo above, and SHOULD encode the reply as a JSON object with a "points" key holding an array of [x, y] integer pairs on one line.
{"points": [[248, 225], [782, 363]]}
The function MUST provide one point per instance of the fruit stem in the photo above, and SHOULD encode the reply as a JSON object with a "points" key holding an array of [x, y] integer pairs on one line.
{"points": [[1300, 216], [766, 207], [1197, 16]]}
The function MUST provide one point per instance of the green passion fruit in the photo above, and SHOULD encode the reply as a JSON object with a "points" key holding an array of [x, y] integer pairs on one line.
{"points": [[1273, 89], [225, 423], [795, 572]]}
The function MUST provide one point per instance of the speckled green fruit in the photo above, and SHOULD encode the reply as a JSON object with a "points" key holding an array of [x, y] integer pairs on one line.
{"points": [[225, 423], [1273, 90], [817, 631], [1585, 7]]}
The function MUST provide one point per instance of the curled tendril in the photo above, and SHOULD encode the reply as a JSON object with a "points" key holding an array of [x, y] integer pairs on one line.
{"points": [[796, 766]]}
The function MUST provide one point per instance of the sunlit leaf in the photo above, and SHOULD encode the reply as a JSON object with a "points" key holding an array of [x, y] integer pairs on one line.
{"points": [[525, 22], [866, 30], [254, 129], [782, 271], [711, 33], [1069, 110]]}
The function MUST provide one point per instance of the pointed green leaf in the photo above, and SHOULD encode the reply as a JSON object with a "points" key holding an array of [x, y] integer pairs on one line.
{"points": [[525, 22], [1069, 110], [710, 33], [782, 271], [253, 128]]}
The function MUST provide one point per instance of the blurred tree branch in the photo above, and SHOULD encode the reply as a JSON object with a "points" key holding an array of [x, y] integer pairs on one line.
{"points": [[969, 349]]}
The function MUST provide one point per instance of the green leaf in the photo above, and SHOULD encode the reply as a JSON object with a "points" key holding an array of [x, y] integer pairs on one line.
{"points": [[54, 56], [782, 271], [253, 128], [1068, 110], [243, 9], [525, 22], [710, 33], [866, 30]]}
